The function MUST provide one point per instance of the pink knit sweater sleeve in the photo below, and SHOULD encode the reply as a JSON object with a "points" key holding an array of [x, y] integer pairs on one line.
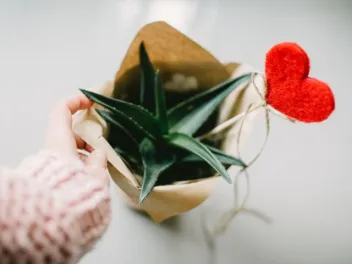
{"points": [[51, 210]]}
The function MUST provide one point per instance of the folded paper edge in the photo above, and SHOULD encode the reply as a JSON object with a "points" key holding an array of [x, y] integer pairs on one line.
{"points": [[158, 205], [91, 128]]}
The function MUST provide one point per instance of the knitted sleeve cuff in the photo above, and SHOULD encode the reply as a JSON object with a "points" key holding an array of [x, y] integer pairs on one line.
{"points": [[52, 210]]}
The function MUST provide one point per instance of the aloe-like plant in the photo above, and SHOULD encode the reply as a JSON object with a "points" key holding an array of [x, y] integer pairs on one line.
{"points": [[155, 139]]}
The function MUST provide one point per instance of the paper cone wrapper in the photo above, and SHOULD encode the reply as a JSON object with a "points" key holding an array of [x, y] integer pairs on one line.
{"points": [[170, 200]]}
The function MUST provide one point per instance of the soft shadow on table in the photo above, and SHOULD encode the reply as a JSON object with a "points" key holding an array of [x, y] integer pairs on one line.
{"points": [[172, 224]]}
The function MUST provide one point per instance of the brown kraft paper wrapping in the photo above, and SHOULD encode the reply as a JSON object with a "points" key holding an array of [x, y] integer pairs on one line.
{"points": [[170, 51]]}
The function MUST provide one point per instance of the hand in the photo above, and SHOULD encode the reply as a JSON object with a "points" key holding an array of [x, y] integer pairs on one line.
{"points": [[62, 139]]}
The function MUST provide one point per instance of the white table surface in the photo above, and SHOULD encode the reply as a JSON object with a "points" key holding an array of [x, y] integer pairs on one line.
{"points": [[48, 49]]}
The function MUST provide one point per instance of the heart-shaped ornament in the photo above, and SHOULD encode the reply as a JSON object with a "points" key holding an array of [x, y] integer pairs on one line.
{"points": [[290, 90]]}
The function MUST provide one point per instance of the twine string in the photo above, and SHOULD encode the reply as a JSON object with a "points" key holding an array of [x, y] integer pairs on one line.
{"points": [[221, 128], [226, 218]]}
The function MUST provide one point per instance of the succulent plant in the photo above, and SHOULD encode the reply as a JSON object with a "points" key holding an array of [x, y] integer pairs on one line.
{"points": [[156, 140]]}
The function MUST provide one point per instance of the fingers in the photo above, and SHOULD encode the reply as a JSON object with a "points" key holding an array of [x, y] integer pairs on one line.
{"points": [[60, 136], [89, 148], [81, 144], [97, 159], [96, 164], [83, 157], [78, 102], [63, 110]]}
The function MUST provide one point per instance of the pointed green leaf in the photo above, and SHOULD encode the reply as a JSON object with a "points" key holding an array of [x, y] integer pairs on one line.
{"points": [[136, 113], [154, 162], [147, 80], [189, 115], [221, 156], [120, 127], [185, 171], [231, 160], [196, 147], [122, 121], [178, 111], [160, 106], [120, 151], [131, 160]]}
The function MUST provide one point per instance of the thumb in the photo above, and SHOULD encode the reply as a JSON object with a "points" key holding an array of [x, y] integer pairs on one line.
{"points": [[96, 164]]}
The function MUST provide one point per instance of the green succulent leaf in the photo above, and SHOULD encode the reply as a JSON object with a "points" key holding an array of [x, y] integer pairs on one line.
{"points": [[189, 115], [224, 158], [120, 120], [147, 80], [160, 106], [123, 153], [119, 129], [231, 160], [119, 137], [194, 146], [155, 162], [120, 151], [134, 112], [185, 171], [132, 161]]}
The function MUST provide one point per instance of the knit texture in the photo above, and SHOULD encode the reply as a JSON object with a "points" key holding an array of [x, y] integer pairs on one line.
{"points": [[290, 90], [51, 211]]}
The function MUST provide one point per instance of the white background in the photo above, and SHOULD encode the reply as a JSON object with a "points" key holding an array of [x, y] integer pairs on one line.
{"points": [[48, 49]]}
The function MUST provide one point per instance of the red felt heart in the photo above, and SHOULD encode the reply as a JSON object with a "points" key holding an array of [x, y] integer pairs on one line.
{"points": [[290, 90]]}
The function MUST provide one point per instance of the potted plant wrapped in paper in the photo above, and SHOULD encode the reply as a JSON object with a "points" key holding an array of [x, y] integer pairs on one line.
{"points": [[167, 93]]}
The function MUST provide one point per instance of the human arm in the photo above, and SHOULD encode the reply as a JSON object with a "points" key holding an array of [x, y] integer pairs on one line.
{"points": [[54, 206]]}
